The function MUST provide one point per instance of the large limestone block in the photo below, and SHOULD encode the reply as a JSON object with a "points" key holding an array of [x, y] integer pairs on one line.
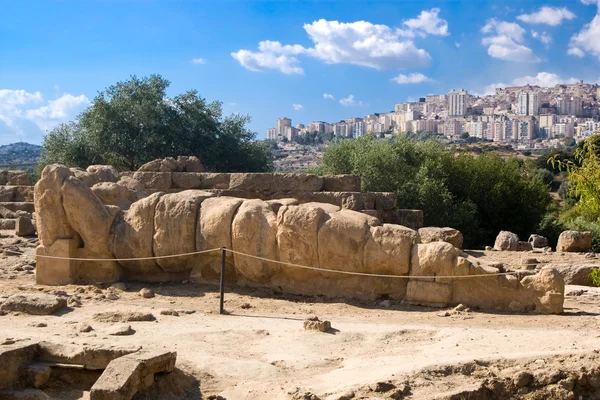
{"points": [[278, 182], [103, 173], [190, 164], [132, 235], [7, 193], [111, 193], [254, 232], [388, 249], [87, 215], [448, 235], [186, 180], [18, 178], [433, 259], [428, 293], [276, 204], [574, 241], [214, 231], [22, 193], [297, 239], [576, 274], [137, 191], [175, 228], [211, 180], [168, 164], [507, 241], [161, 181], [548, 289], [341, 183], [51, 219], [342, 239], [13, 359]]}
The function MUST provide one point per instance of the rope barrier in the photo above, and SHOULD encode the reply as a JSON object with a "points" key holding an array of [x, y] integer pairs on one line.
{"points": [[120, 259]]}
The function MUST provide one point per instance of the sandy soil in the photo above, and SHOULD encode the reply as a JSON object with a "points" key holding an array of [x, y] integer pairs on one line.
{"points": [[259, 350]]}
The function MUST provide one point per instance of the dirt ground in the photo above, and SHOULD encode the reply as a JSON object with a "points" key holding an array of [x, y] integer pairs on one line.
{"points": [[259, 349]]}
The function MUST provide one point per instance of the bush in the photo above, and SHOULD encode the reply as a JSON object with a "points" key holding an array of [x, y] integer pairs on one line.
{"points": [[479, 196], [595, 276]]}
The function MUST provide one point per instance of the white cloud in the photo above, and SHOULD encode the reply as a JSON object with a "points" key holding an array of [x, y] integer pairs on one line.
{"points": [[427, 23], [198, 61], [347, 101], [505, 41], [358, 43], [552, 16], [542, 79], [29, 115], [543, 37], [298, 107], [457, 44], [328, 96], [412, 78], [587, 41]]}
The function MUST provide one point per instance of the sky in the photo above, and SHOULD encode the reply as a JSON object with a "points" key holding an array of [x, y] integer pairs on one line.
{"points": [[324, 60]]}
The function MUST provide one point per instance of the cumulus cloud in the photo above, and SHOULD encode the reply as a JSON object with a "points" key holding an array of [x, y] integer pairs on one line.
{"points": [[298, 107], [328, 96], [412, 78], [542, 79], [552, 16], [587, 41], [543, 37], [427, 23], [29, 115], [358, 43], [505, 40], [198, 61]]}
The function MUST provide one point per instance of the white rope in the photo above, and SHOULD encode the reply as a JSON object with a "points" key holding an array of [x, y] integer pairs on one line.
{"points": [[373, 275], [120, 259]]}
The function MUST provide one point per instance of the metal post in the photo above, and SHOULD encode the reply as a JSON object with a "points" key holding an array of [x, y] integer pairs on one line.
{"points": [[222, 281]]}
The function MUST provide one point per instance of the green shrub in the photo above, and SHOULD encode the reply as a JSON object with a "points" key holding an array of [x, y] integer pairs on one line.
{"points": [[595, 276]]}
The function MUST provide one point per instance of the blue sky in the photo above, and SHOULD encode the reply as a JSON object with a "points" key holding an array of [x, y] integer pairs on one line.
{"points": [[320, 60]]}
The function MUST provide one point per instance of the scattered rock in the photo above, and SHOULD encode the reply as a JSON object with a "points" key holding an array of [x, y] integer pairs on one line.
{"points": [[576, 274], [574, 241], [524, 246], [386, 303], [39, 324], [246, 306], [119, 286], [449, 235], [121, 330], [590, 255], [112, 296], [24, 227], [460, 307], [489, 248], [169, 312], [84, 328], [382, 387], [74, 302], [36, 304], [538, 242], [529, 263], [146, 293], [522, 379], [118, 316], [506, 241], [314, 323]]}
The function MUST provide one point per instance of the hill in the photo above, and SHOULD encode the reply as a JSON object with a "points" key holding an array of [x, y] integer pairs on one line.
{"points": [[19, 155]]}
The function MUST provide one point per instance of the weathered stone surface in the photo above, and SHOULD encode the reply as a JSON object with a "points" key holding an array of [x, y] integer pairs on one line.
{"points": [[341, 183], [254, 231], [547, 289], [137, 191], [161, 181], [120, 330], [168, 164], [22, 193], [432, 259], [214, 231], [315, 324], [524, 246], [186, 180], [345, 232], [6, 213], [506, 241], [7, 193], [133, 234], [413, 219], [125, 316], [13, 358], [87, 215], [214, 180], [385, 201], [428, 293], [18, 178], [111, 193], [190, 164], [448, 235], [575, 274], [279, 182], [103, 173], [538, 242], [388, 248], [328, 208], [175, 228], [574, 241], [56, 271], [24, 227], [51, 218], [35, 303], [8, 224], [278, 203]]}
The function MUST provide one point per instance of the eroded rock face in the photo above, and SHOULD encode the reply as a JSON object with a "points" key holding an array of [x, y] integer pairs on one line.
{"points": [[574, 241], [448, 235], [312, 234], [507, 241]]}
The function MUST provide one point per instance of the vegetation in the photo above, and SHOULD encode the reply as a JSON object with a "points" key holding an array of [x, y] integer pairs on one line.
{"points": [[133, 122], [477, 195], [595, 276]]}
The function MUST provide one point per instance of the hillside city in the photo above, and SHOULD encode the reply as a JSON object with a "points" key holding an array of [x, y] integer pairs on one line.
{"points": [[528, 116]]}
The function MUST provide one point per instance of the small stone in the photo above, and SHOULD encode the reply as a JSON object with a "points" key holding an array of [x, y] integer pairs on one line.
{"points": [[84, 328], [121, 330], [314, 323], [386, 303], [382, 387], [112, 296], [489, 248], [590, 255], [146, 293], [98, 291], [73, 302], [522, 379], [119, 286], [246, 306], [169, 312], [7, 341], [460, 307], [39, 324]]}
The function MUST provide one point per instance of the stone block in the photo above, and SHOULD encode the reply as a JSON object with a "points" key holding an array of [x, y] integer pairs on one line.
{"points": [[121, 380], [13, 358], [18, 178], [368, 200], [448, 235], [154, 180], [385, 201], [214, 180], [7, 193], [574, 241], [51, 271], [19, 206], [276, 182], [187, 180], [413, 219], [341, 183], [21, 193], [428, 293], [8, 224], [24, 227]]}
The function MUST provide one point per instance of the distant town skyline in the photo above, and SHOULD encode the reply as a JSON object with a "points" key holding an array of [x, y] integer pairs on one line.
{"points": [[307, 60]]}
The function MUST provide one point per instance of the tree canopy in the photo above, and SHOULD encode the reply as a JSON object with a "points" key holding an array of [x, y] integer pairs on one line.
{"points": [[477, 195], [133, 122]]}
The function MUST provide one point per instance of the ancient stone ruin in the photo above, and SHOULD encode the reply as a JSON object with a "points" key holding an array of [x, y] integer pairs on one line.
{"points": [[293, 218]]}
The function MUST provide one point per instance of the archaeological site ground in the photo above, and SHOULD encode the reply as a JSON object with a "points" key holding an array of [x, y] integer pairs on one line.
{"points": [[109, 289]]}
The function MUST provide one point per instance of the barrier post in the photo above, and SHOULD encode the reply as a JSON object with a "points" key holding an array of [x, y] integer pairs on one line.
{"points": [[222, 282]]}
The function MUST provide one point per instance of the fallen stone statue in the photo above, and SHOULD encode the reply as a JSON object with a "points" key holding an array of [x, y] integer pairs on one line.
{"points": [[73, 222]]}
